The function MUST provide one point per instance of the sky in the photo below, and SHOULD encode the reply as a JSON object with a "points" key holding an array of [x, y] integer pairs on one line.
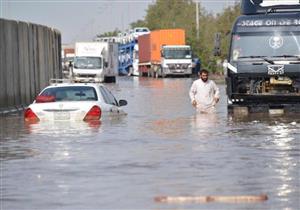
{"points": [[80, 20]]}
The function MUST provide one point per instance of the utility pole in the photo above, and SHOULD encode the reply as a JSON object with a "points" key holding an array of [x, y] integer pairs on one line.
{"points": [[0, 8], [197, 19]]}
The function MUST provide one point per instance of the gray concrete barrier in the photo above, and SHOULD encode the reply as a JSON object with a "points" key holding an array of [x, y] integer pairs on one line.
{"points": [[29, 58]]}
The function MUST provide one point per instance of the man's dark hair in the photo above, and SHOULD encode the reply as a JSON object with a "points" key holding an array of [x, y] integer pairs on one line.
{"points": [[203, 71]]}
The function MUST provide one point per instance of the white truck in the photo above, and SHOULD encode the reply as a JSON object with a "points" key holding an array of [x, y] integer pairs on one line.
{"points": [[163, 53], [176, 60], [93, 62]]}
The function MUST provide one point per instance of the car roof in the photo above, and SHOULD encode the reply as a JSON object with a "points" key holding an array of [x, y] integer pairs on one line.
{"points": [[75, 84]]}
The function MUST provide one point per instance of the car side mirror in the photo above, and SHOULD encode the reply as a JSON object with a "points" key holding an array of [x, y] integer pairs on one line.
{"points": [[122, 103]]}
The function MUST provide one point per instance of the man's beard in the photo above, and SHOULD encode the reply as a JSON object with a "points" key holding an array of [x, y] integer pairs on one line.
{"points": [[204, 80]]}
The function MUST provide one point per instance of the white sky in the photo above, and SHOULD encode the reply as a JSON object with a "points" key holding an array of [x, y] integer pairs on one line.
{"points": [[80, 20]]}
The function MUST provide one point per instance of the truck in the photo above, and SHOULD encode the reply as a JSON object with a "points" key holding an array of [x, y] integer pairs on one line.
{"points": [[164, 52], [95, 62], [126, 51], [263, 66]]}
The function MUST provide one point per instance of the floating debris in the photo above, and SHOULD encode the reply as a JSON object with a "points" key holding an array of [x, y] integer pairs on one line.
{"points": [[207, 199]]}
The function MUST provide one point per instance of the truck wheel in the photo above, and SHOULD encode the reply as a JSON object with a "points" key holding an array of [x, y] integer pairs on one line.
{"points": [[111, 79], [163, 75]]}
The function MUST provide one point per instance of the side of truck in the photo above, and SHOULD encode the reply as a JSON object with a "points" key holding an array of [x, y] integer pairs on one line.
{"points": [[163, 53], [126, 50], [263, 69], [110, 58]]}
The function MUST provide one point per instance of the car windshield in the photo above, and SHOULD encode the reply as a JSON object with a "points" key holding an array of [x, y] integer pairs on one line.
{"points": [[72, 93], [271, 44], [87, 62], [141, 30], [177, 53]]}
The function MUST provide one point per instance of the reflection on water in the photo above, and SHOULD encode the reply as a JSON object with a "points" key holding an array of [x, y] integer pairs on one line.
{"points": [[162, 147], [283, 141], [204, 121], [63, 128], [169, 128]]}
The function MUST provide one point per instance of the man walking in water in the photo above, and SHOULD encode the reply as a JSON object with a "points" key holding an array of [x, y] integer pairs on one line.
{"points": [[204, 93]]}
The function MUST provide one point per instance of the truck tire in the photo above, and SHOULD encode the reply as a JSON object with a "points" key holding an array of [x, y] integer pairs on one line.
{"points": [[110, 79]]}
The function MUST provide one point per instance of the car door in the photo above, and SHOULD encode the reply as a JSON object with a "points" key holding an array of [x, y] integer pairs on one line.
{"points": [[110, 101]]}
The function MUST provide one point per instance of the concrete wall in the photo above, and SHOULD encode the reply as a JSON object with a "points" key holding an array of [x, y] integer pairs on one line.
{"points": [[29, 58]]}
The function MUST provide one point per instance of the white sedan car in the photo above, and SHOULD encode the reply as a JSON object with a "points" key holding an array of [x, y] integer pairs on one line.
{"points": [[74, 101]]}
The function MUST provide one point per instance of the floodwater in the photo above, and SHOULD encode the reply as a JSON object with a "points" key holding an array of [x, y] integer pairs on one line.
{"points": [[162, 147]]}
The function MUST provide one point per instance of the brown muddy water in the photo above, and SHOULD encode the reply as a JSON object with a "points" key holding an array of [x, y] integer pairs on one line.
{"points": [[162, 147]]}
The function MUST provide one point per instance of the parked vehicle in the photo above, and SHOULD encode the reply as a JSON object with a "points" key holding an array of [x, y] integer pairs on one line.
{"points": [[74, 101], [163, 52], [95, 62], [139, 31], [110, 57], [263, 69], [126, 51]]}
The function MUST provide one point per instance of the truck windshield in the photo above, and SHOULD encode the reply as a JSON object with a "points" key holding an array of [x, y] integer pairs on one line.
{"points": [[87, 63], [271, 44], [177, 53]]}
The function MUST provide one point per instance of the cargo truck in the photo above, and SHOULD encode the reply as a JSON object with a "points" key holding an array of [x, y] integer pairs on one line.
{"points": [[263, 68], [163, 53], [95, 62]]}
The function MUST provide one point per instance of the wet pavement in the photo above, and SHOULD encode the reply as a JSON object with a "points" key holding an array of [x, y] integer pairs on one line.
{"points": [[162, 147]]}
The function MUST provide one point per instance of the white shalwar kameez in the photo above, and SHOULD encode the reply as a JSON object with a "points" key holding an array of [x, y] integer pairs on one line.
{"points": [[204, 93]]}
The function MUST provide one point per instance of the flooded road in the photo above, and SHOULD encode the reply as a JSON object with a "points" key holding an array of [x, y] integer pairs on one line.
{"points": [[160, 148]]}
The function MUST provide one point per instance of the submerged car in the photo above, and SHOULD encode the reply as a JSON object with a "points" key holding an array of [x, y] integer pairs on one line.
{"points": [[74, 101]]}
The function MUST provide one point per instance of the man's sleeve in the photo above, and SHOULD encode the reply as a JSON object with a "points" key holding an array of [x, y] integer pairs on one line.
{"points": [[193, 91], [216, 90]]}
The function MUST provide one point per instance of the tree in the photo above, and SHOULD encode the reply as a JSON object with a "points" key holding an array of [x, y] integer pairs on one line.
{"points": [[138, 23], [224, 23], [109, 33]]}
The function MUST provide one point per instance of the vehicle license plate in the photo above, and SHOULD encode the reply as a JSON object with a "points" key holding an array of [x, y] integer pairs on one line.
{"points": [[179, 71], [61, 115]]}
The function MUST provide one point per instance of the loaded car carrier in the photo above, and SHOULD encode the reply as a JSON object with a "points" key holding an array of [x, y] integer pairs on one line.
{"points": [[263, 69]]}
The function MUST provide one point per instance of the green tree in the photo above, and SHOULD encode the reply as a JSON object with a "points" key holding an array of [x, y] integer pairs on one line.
{"points": [[224, 23], [109, 33], [138, 23]]}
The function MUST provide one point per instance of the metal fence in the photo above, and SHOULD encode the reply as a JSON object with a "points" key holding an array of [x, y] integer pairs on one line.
{"points": [[29, 58]]}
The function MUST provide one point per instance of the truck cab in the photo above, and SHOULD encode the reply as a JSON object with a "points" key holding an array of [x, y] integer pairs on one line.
{"points": [[263, 69], [176, 60], [88, 63]]}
